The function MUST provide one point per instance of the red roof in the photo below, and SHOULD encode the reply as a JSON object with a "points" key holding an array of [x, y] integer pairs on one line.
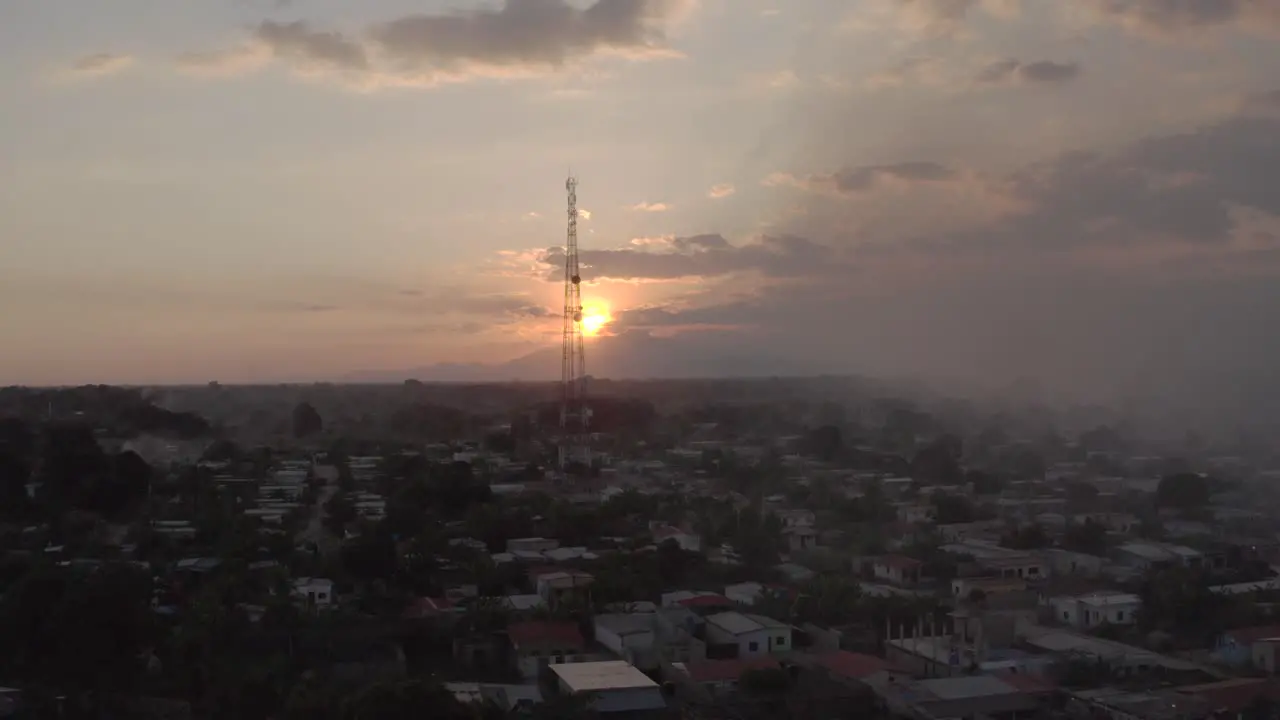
{"points": [[854, 666], [1027, 683], [1251, 635], [545, 632], [1236, 694], [425, 607], [709, 600], [725, 670], [899, 561]]}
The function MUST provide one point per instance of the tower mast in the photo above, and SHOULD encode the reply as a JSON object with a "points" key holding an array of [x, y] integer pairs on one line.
{"points": [[573, 363]]}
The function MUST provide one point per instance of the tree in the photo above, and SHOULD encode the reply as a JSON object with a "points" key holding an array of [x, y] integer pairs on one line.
{"points": [[1081, 496], [824, 443], [306, 421], [949, 509], [1028, 537], [404, 700], [983, 482], [1184, 491], [938, 463], [1087, 537]]}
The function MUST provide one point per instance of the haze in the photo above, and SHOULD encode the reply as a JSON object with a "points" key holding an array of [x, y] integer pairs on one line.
{"points": [[1082, 194]]}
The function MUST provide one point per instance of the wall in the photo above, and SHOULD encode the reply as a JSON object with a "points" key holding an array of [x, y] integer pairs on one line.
{"points": [[621, 643]]}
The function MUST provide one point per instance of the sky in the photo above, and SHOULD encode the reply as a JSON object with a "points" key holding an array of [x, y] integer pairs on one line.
{"points": [[1080, 194]]}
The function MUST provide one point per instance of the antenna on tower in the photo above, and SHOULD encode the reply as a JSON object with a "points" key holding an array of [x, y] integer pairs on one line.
{"points": [[574, 413]]}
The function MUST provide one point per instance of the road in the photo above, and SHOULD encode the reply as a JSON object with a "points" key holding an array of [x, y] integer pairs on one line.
{"points": [[315, 532]]}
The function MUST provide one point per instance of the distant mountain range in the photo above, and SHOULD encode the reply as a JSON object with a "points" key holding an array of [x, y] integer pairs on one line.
{"points": [[635, 355]]}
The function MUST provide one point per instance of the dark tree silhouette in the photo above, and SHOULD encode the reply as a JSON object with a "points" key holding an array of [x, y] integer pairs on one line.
{"points": [[306, 421]]}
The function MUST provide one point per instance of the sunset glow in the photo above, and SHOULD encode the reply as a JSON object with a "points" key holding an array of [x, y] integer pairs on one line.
{"points": [[594, 319]]}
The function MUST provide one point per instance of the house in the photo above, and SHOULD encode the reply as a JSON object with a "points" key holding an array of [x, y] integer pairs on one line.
{"points": [[801, 537], [711, 679], [1145, 555], [625, 633], [966, 588], [897, 569], [531, 545], [615, 686], [857, 668], [1029, 566], [796, 518], [563, 586], [315, 592], [1066, 562], [698, 601], [687, 541], [752, 635], [957, 697], [542, 643], [1236, 647], [1091, 611]]}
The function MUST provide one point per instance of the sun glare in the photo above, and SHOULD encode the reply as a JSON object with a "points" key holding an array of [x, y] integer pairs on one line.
{"points": [[594, 319]]}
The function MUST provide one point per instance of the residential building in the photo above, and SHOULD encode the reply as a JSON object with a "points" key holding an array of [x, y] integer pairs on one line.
{"points": [[615, 686], [712, 679], [625, 633], [1236, 647], [542, 643], [315, 592], [897, 569], [752, 635], [1094, 610]]}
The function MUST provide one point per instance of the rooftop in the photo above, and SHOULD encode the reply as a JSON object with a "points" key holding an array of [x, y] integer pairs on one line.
{"points": [[734, 623], [625, 623], [605, 675], [963, 688], [726, 670], [543, 632], [854, 666]]}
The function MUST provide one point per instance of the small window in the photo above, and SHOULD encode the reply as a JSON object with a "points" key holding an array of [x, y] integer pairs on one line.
{"points": [[780, 641], [1066, 615], [753, 647], [1120, 616]]}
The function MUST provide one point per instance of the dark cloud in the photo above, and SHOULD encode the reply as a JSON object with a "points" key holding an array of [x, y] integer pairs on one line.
{"points": [[100, 64], [1188, 17], [519, 37], [869, 177], [703, 256], [297, 41], [1148, 271], [1041, 72], [523, 32]]}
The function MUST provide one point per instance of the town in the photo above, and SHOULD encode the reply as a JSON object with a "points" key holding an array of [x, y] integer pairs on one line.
{"points": [[730, 549]]}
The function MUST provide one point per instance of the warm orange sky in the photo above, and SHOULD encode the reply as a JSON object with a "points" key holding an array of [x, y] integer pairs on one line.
{"points": [[261, 190]]}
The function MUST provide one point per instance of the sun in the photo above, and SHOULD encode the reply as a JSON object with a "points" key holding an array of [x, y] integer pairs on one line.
{"points": [[594, 319]]}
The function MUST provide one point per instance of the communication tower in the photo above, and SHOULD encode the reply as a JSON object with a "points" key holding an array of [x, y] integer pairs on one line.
{"points": [[574, 413]]}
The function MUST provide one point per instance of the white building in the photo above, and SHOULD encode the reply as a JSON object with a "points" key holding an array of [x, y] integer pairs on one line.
{"points": [[1090, 611], [614, 686], [316, 592], [753, 634], [625, 633]]}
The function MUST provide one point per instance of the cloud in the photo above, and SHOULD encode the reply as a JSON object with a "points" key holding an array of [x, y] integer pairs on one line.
{"points": [[932, 19], [922, 70], [698, 256], [1017, 72], [1169, 19], [99, 65], [649, 207], [721, 191], [1146, 269], [522, 38], [868, 177]]}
